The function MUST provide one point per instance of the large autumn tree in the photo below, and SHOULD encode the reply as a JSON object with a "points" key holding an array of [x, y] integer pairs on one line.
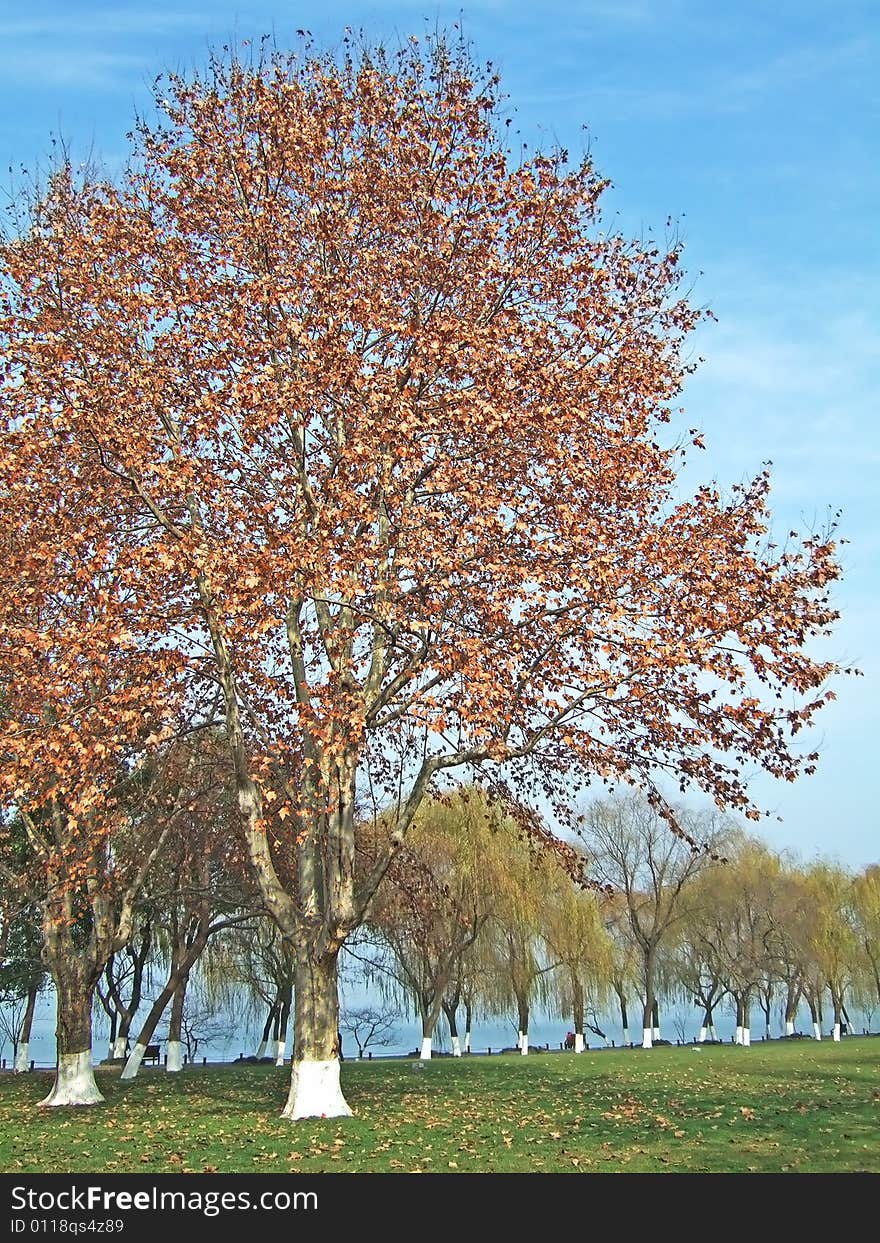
{"points": [[382, 410]]}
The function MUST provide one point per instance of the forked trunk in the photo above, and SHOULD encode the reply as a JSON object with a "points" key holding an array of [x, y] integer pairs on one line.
{"points": [[74, 1074], [450, 1012], [315, 1091]]}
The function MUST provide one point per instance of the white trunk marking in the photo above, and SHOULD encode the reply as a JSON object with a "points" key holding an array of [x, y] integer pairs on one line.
{"points": [[579, 1042], [647, 1042], [524, 1043], [456, 1047], [22, 1061], [789, 1027], [817, 1034], [133, 1065], [279, 1052], [835, 1033], [738, 1038], [467, 1042], [712, 1031], [74, 1081], [261, 1050], [626, 1035], [656, 1033], [425, 1054], [746, 1037], [315, 1092], [174, 1061], [702, 1035], [119, 1047]]}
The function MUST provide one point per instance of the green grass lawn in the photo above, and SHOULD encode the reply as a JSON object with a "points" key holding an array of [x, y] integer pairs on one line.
{"points": [[786, 1106]]}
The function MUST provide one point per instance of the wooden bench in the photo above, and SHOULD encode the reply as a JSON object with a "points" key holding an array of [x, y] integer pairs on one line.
{"points": [[153, 1054]]}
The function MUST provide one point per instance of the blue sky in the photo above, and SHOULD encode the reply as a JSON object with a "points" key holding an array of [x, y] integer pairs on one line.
{"points": [[754, 126]]}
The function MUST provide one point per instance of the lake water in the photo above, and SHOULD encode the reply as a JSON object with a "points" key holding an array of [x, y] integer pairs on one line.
{"points": [[488, 1034]]}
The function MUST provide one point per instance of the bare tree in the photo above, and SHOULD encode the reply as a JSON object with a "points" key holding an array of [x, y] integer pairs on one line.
{"points": [[368, 1025], [633, 849]]}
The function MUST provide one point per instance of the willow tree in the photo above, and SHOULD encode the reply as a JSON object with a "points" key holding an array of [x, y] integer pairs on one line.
{"points": [[833, 936], [381, 411], [436, 898], [578, 941], [866, 919], [739, 902]]}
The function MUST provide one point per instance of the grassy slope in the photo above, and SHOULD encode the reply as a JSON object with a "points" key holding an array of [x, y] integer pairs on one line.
{"points": [[797, 1106]]}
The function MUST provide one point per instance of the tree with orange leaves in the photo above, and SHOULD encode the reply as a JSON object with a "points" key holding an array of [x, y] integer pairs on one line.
{"points": [[379, 412]]}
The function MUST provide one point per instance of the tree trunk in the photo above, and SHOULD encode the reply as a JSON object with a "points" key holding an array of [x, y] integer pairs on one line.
{"points": [[523, 1012], [624, 1020], [22, 1047], [174, 1052], [655, 1020], [706, 1024], [271, 1019], [430, 1005], [113, 1039], [315, 1091], [837, 1004], [450, 1012], [816, 1018], [792, 1000], [648, 1023], [74, 1073], [283, 1023], [746, 1024], [145, 1035], [738, 1038], [468, 1015], [577, 992]]}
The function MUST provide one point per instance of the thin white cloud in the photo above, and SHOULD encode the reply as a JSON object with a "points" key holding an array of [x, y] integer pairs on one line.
{"points": [[82, 23], [89, 68]]}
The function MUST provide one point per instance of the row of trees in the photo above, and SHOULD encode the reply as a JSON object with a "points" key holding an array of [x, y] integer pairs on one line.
{"points": [[477, 918], [339, 433], [733, 924]]}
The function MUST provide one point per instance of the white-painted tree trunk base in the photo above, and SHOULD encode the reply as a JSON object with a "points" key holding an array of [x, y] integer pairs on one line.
{"points": [[835, 1033], [279, 1052], [713, 1031], [467, 1042], [656, 1033], [74, 1082], [579, 1042], [133, 1065], [738, 1038], [174, 1057], [789, 1027], [817, 1034], [524, 1043], [647, 1041], [456, 1047], [22, 1058], [746, 1037], [702, 1035], [425, 1052], [119, 1047], [625, 1036], [315, 1092], [261, 1050]]}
